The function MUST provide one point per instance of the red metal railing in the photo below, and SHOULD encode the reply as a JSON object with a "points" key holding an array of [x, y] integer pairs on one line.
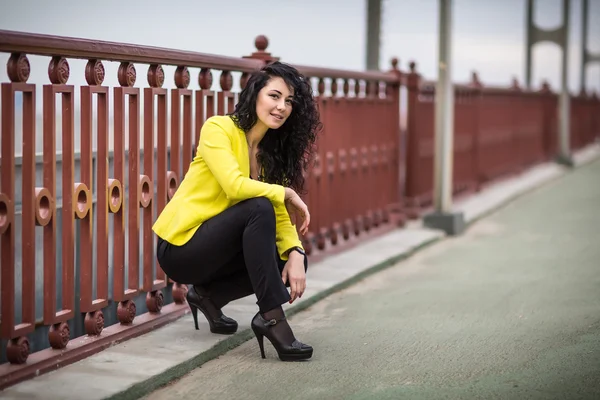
{"points": [[497, 132], [94, 200], [354, 185], [79, 220]]}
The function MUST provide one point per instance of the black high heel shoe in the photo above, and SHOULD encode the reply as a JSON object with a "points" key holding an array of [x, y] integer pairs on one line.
{"points": [[295, 351], [218, 322]]}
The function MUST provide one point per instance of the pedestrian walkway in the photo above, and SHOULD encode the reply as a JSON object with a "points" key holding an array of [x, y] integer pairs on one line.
{"points": [[510, 310], [137, 367]]}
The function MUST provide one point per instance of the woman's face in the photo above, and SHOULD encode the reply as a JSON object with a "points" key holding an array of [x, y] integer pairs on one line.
{"points": [[274, 103]]}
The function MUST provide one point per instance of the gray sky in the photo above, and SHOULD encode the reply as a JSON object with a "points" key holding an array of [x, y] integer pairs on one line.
{"points": [[488, 34]]}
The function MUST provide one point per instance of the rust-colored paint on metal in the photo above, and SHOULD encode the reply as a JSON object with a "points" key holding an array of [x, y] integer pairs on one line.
{"points": [[342, 195], [395, 209], [464, 176], [86, 49], [324, 181], [28, 210], [474, 122], [331, 172], [530, 127], [353, 216], [550, 102], [420, 143], [152, 283], [321, 197], [117, 200], [333, 168], [365, 210], [86, 303], [321, 72], [203, 111], [182, 93], [496, 134], [180, 163], [225, 98], [594, 111], [122, 293], [51, 316], [18, 349], [225, 102], [581, 121], [179, 96], [79, 348], [347, 181]]}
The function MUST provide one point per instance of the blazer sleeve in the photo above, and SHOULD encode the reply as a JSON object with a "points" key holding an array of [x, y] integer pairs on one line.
{"points": [[216, 150], [286, 235]]}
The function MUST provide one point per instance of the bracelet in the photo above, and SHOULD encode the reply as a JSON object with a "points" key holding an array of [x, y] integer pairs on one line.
{"points": [[298, 249]]}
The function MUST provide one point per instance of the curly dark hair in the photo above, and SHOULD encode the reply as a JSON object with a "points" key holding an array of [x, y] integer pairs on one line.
{"points": [[284, 153]]}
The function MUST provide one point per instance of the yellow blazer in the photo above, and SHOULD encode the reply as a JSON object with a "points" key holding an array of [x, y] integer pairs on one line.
{"points": [[218, 178]]}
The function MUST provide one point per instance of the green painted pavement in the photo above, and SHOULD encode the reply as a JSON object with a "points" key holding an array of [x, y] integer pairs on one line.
{"points": [[509, 310]]}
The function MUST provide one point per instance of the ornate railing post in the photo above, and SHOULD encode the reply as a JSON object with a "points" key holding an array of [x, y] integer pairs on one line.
{"points": [[261, 43], [550, 115], [94, 317], [477, 87], [394, 153], [413, 82], [36, 210]]}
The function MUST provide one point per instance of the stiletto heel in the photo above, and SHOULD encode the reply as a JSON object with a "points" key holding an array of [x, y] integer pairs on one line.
{"points": [[260, 338], [294, 351], [218, 323], [194, 314]]}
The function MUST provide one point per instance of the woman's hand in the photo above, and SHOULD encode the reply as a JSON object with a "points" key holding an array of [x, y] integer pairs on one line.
{"points": [[294, 273], [297, 210]]}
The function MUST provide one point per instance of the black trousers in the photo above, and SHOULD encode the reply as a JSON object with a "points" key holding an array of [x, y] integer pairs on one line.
{"points": [[231, 255]]}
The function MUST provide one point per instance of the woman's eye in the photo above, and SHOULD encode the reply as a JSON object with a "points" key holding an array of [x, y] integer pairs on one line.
{"points": [[274, 96]]}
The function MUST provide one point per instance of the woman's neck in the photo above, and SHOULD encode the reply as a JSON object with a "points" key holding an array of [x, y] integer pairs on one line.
{"points": [[256, 134]]}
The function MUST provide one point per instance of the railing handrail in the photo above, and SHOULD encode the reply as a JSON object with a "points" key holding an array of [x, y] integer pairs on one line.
{"points": [[429, 86], [49, 45], [322, 72]]}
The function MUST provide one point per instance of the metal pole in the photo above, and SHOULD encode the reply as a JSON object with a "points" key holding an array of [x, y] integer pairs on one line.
{"points": [[584, 38], [373, 33], [564, 152], [529, 44], [444, 113], [453, 223]]}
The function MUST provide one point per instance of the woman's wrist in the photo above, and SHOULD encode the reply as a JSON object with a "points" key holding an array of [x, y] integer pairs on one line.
{"points": [[295, 252], [289, 193]]}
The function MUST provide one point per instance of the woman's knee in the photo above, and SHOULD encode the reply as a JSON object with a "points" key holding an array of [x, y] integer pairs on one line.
{"points": [[262, 208]]}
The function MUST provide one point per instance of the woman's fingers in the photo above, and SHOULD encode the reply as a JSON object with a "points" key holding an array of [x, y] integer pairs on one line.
{"points": [[306, 221], [284, 275], [302, 285], [297, 286], [296, 205], [303, 209], [293, 287]]}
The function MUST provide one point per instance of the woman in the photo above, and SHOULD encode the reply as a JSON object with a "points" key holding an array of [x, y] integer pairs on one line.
{"points": [[229, 230]]}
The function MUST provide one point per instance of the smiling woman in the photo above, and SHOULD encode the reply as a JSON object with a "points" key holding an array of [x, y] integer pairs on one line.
{"points": [[229, 230]]}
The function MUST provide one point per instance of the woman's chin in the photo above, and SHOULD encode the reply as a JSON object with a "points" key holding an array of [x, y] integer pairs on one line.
{"points": [[274, 125]]}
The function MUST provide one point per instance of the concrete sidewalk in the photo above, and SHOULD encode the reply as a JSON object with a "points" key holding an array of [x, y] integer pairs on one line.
{"points": [[139, 366]]}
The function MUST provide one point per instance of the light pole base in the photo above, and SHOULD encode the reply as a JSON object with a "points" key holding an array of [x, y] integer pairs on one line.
{"points": [[567, 161], [451, 223]]}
